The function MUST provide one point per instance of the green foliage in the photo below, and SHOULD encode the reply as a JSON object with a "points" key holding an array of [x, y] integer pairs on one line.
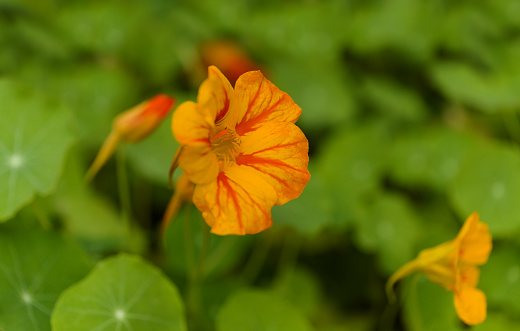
{"points": [[31, 154], [257, 310], [35, 267], [121, 292], [411, 111]]}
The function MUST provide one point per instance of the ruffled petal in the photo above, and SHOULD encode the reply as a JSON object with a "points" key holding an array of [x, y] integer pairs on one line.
{"points": [[279, 153], [191, 126], [259, 101], [215, 96], [238, 202], [199, 164], [474, 241], [470, 304]]}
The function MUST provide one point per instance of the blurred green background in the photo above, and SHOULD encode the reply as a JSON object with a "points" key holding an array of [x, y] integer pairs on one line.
{"points": [[411, 111]]}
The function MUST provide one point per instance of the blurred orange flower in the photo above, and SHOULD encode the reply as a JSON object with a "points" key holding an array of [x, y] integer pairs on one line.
{"points": [[242, 150], [132, 126], [232, 60], [453, 265]]}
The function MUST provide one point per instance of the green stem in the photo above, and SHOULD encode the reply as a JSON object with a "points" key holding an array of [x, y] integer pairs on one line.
{"points": [[123, 187], [219, 253], [254, 265], [289, 254], [206, 241]]}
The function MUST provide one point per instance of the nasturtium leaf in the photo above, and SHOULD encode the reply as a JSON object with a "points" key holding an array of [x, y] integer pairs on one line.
{"points": [[351, 165], [401, 25], [252, 310], [393, 99], [187, 229], [318, 39], [321, 91], [121, 293], [489, 92], [35, 267], [500, 279], [301, 288], [34, 137], [389, 227], [498, 321], [310, 212], [428, 306], [429, 158], [489, 182]]}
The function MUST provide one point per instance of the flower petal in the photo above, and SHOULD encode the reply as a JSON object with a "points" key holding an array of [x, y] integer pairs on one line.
{"points": [[238, 202], [199, 164], [279, 153], [215, 95], [259, 101], [191, 126], [470, 304], [474, 241], [469, 276]]}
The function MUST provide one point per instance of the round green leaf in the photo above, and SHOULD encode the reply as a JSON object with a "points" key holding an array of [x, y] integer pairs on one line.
{"points": [[432, 158], [34, 136], [389, 227], [121, 293], [255, 310], [351, 166], [489, 183], [500, 279], [35, 267], [310, 212], [428, 307]]}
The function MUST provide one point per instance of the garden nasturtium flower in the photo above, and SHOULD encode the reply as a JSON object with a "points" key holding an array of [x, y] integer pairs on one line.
{"points": [[132, 126], [242, 150], [453, 265]]}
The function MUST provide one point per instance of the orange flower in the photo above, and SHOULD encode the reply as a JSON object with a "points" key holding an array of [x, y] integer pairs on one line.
{"points": [[453, 265], [132, 126], [229, 57], [242, 150]]}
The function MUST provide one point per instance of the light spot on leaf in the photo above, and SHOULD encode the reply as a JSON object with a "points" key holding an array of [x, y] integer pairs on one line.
{"points": [[26, 297], [15, 161], [120, 314], [385, 229], [498, 190], [513, 274]]}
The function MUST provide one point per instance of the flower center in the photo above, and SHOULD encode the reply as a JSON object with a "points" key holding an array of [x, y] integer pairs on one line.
{"points": [[225, 145]]}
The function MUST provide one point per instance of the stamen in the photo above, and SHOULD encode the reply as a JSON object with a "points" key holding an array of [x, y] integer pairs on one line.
{"points": [[226, 145]]}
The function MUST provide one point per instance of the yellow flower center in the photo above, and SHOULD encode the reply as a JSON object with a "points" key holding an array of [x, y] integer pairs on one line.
{"points": [[226, 145]]}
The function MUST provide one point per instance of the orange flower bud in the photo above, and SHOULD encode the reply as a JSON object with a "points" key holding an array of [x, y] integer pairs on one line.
{"points": [[132, 126], [138, 122]]}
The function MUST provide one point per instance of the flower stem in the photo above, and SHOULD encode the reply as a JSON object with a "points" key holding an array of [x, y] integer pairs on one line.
{"points": [[258, 256], [402, 272], [206, 241], [123, 187], [107, 149], [174, 165]]}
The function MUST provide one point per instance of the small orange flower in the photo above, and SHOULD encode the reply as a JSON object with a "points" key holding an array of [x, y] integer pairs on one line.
{"points": [[242, 150], [132, 126], [453, 265], [232, 60]]}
